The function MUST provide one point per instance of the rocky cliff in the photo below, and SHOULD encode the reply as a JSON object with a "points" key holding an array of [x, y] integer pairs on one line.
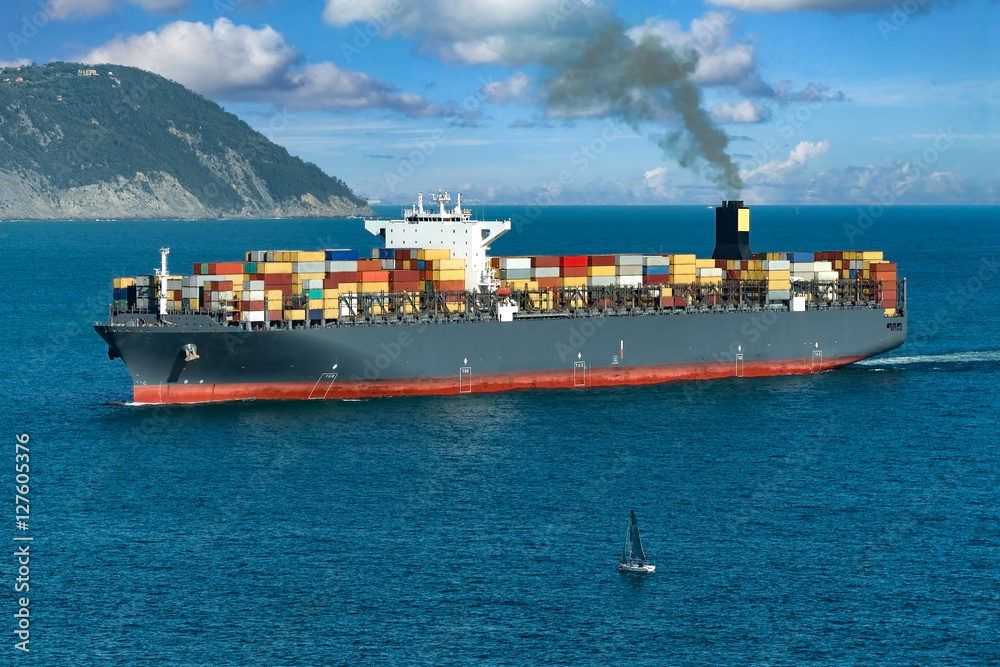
{"points": [[114, 142]]}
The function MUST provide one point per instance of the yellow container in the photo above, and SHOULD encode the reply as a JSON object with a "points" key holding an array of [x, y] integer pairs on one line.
{"points": [[330, 293], [308, 276], [372, 287], [297, 314], [449, 275], [779, 274], [704, 264], [601, 271], [310, 256], [270, 268], [682, 260], [573, 282], [348, 288], [450, 264], [274, 296], [433, 253]]}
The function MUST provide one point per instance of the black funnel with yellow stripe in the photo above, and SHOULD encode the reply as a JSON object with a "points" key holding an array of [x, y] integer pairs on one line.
{"points": [[732, 231]]}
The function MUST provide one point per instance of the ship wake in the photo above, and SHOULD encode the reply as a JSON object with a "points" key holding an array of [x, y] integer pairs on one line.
{"points": [[950, 358]]}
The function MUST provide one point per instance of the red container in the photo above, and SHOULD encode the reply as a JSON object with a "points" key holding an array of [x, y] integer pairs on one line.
{"points": [[374, 277], [601, 260], [656, 280], [547, 282], [274, 315], [574, 271], [545, 261], [219, 268], [449, 285], [408, 286], [248, 306], [369, 265], [277, 280], [404, 276], [573, 260]]}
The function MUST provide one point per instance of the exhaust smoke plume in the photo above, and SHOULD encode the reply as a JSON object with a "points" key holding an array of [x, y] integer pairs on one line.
{"points": [[642, 81]]}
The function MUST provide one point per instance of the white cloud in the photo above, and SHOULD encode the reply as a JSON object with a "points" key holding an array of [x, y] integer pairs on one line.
{"points": [[513, 89], [779, 171], [744, 111], [20, 62], [234, 62], [658, 180], [218, 60]]}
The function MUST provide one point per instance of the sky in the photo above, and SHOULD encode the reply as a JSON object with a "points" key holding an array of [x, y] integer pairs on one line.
{"points": [[868, 102]]}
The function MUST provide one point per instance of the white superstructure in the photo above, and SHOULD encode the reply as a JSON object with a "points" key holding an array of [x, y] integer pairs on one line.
{"points": [[441, 227]]}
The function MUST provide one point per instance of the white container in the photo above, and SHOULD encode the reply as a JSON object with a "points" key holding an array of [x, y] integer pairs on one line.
{"points": [[515, 262], [708, 273], [630, 281], [777, 265], [655, 260], [546, 271], [601, 281], [628, 260], [827, 276], [798, 304], [341, 266]]}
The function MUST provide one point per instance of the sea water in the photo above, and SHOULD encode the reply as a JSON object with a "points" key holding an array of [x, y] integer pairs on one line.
{"points": [[848, 517]]}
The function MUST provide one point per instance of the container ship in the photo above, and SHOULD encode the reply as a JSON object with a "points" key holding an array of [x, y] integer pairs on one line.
{"points": [[432, 313]]}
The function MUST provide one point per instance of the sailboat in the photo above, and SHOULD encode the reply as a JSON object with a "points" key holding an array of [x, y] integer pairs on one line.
{"points": [[633, 559]]}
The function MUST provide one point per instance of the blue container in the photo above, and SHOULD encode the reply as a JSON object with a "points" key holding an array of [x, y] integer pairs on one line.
{"points": [[800, 257], [420, 265], [315, 314], [387, 253], [853, 273], [656, 270], [341, 255]]}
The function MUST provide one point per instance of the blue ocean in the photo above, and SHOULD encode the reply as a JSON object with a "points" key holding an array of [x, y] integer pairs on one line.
{"points": [[849, 517]]}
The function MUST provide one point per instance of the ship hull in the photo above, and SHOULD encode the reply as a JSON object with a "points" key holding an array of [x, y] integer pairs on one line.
{"points": [[478, 357]]}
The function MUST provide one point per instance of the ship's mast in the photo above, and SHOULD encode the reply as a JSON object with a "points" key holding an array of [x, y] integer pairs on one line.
{"points": [[162, 273]]}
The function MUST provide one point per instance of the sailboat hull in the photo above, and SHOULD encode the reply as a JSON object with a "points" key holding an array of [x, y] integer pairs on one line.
{"points": [[636, 567]]}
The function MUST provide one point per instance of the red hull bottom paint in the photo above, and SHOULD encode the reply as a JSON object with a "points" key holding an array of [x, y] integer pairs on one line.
{"points": [[613, 376]]}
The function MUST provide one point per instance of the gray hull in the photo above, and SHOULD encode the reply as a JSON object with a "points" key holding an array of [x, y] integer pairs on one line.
{"points": [[460, 357]]}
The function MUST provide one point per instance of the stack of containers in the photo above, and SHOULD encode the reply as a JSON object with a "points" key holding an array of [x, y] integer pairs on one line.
{"points": [[278, 286], [252, 296], [885, 275], [190, 293], [545, 271], [218, 296], [147, 292], [707, 273], [778, 274], [656, 270], [124, 293], [682, 268], [372, 278], [602, 270], [629, 270], [573, 271], [516, 270], [174, 293]]}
